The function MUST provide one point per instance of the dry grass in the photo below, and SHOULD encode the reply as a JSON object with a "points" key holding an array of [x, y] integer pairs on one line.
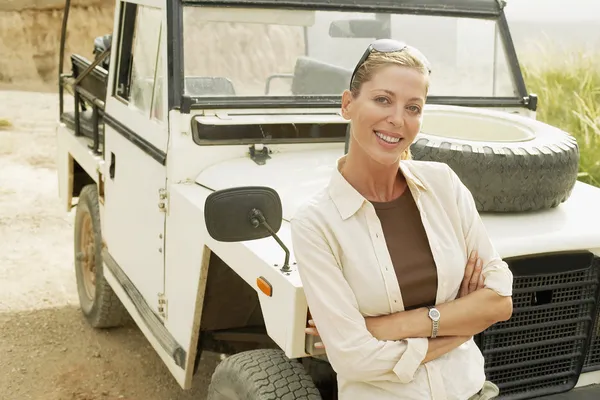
{"points": [[5, 124], [569, 98]]}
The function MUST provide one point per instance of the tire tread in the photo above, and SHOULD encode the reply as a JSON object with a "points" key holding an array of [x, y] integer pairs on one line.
{"points": [[263, 374]]}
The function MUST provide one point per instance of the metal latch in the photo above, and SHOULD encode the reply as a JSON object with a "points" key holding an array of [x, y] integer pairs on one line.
{"points": [[162, 305], [162, 199], [259, 154]]}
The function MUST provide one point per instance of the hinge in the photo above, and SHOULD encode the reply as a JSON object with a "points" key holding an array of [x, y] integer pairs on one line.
{"points": [[163, 200], [162, 305]]}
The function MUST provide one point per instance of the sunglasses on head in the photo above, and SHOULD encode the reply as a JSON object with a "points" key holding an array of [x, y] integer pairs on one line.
{"points": [[388, 46]]}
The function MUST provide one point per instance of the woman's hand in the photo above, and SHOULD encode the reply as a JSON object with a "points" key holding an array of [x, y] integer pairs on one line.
{"points": [[312, 330], [377, 326], [473, 280]]}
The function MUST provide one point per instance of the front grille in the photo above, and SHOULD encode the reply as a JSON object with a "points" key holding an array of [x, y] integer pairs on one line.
{"points": [[592, 361], [542, 348]]}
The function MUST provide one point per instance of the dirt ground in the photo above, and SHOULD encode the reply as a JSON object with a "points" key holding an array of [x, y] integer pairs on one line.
{"points": [[47, 351]]}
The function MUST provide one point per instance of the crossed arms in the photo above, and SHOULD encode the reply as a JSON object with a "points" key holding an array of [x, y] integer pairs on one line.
{"points": [[475, 309]]}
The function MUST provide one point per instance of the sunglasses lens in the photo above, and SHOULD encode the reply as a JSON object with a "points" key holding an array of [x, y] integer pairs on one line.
{"points": [[388, 45]]}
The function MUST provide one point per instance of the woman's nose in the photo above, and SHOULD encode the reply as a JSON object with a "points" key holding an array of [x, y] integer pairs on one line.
{"points": [[396, 117]]}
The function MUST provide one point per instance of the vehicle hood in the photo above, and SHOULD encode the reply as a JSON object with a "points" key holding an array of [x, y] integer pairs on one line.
{"points": [[296, 176]]}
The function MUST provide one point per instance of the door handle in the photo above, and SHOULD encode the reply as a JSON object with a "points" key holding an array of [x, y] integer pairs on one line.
{"points": [[111, 168]]}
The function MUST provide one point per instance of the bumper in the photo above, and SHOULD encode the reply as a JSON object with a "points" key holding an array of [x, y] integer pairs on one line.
{"points": [[585, 393]]}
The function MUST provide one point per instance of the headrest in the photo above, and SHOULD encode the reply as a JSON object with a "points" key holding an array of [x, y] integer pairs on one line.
{"points": [[316, 77], [208, 85]]}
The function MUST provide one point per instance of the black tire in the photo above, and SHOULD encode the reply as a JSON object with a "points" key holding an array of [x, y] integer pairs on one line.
{"points": [[503, 176], [265, 374], [100, 306]]}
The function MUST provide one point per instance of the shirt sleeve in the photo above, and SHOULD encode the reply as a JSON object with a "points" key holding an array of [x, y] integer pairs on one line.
{"points": [[351, 349], [497, 275]]}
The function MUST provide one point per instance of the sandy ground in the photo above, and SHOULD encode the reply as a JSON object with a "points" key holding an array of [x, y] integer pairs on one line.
{"points": [[47, 351]]}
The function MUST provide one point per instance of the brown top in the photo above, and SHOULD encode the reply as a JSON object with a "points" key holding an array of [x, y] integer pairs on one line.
{"points": [[409, 249]]}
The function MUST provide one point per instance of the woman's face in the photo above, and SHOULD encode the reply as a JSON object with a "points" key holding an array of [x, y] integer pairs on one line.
{"points": [[386, 116]]}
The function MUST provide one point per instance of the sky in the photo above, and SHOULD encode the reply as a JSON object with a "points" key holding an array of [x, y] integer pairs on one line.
{"points": [[554, 10]]}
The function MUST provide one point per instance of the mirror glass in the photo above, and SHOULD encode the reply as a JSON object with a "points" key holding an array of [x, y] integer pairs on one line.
{"points": [[227, 213]]}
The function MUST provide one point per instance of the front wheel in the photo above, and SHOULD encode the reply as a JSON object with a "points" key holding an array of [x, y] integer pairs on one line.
{"points": [[265, 374]]}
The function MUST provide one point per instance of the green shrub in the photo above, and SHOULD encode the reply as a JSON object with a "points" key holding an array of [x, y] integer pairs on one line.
{"points": [[5, 124]]}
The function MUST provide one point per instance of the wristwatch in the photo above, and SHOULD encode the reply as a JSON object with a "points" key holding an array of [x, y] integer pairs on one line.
{"points": [[434, 315]]}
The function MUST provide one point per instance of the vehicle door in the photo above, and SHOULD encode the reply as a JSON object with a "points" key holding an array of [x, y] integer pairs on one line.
{"points": [[135, 151]]}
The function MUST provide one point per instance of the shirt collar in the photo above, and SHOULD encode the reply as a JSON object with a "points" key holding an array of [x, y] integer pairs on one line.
{"points": [[348, 200]]}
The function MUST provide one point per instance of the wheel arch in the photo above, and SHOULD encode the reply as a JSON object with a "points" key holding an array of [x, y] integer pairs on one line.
{"points": [[80, 178]]}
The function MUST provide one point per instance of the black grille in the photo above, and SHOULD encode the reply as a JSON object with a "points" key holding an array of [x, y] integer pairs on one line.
{"points": [[592, 361], [542, 348]]}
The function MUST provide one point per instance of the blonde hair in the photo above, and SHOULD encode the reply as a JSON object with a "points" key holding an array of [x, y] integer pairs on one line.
{"points": [[409, 57]]}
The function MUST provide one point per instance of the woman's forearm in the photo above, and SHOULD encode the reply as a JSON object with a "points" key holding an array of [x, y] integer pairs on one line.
{"points": [[466, 316], [440, 346]]}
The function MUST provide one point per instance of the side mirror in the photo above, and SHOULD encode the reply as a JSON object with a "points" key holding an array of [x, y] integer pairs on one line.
{"points": [[245, 213]]}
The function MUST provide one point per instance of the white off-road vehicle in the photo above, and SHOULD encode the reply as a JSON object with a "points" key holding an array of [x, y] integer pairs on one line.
{"points": [[199, 128]]}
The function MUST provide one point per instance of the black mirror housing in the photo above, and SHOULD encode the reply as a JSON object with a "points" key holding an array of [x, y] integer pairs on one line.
{"points": [[231, 214]]}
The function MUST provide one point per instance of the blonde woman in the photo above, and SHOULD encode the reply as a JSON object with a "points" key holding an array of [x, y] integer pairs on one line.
{"points": [[383, 252]]}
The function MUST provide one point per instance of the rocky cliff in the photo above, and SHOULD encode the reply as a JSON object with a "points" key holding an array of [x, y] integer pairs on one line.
{"points": [[30, 38]]}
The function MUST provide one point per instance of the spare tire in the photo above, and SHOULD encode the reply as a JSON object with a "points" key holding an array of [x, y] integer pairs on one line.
{"points": [[510, 163]]}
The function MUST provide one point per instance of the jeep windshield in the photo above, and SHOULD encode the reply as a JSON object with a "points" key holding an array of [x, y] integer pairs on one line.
{"points": [[254, 57]]}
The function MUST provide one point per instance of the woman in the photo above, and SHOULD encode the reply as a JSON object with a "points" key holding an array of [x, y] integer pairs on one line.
{"points": [[383, 251]]}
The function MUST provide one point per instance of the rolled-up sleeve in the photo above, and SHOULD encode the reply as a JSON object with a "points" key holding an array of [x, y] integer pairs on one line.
{"points": [[351, 349], [498, 276]]}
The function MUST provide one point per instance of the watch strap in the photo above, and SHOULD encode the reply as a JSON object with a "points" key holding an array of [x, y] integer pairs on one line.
{"points": [[435, 322]]}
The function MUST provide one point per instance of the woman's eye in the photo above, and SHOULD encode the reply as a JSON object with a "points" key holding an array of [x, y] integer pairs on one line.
{"points": [[383, 100], [415, 109]]}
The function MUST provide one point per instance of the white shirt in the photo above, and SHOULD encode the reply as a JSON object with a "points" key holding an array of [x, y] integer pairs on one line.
{"points": [[347, 274]]}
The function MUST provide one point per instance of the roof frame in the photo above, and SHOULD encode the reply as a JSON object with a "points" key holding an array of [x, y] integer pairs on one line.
{"points": [[466, 8]]}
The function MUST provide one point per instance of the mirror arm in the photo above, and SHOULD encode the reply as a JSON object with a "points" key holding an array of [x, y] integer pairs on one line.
{"points": [[257, 218]]}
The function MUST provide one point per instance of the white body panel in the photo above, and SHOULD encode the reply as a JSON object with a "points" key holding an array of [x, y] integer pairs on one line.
{"points": [[69, 148], [133, 226], [299, 175], [187, 270]]}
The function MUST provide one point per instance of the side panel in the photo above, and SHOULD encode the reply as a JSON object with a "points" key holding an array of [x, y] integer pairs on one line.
{"points": [[70, 148], [186, 267], [133, 225], [136, 138]]}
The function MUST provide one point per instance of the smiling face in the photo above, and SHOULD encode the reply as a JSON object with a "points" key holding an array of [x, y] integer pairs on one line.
{"points": [[386, 112]]}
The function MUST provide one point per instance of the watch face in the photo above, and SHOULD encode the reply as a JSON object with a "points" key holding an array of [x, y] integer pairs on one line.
{"points": [[434, 314]]}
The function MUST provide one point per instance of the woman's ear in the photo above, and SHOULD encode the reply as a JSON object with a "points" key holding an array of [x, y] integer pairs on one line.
{"points": [[347, 100]]}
